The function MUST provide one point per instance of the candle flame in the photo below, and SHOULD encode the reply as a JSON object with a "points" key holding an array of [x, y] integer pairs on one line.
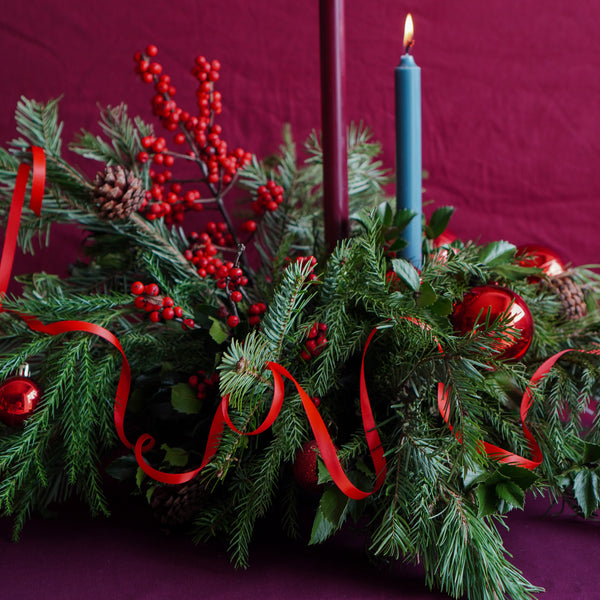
{"points": [[409, 32]]}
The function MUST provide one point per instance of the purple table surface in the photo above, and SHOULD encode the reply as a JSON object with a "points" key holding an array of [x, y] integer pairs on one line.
{"points": [[127, 558]]}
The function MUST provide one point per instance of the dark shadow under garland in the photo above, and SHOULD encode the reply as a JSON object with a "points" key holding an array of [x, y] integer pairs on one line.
{"points": [[199, 316]]}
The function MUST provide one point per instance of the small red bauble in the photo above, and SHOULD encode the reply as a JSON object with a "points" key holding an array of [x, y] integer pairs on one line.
{"points": [[446, 237], [541, 257], [496, 300], [306, 472], [19, 396]]}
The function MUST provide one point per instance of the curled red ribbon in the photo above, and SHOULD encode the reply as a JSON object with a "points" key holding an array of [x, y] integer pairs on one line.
{"points": [[145, 442], [328, 452], [322, 437]]}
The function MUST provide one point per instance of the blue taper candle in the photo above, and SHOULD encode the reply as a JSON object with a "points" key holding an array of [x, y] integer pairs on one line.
{"points": [[408, 146]]}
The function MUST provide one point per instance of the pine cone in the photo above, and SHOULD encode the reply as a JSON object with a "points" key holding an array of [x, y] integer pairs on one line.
{"points": [[570, 295], [175, 505], [117, 193]]}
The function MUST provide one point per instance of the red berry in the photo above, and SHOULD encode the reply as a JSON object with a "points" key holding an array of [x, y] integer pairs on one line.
{"points": [[305, 355], [188, 324], [178, 311], [236, 296], [155, 316], [151, 289], [233, 321], [143, 157], [137, 288], [140, 302], [151, 50], [168, 313]]}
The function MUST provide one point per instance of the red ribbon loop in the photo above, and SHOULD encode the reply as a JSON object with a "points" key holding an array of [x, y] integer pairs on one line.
{"points": [[322, 437], [16, 208]]}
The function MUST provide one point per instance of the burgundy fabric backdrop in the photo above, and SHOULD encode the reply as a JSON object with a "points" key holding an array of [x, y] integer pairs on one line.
{"points": [[510, 90], [510, 137]]}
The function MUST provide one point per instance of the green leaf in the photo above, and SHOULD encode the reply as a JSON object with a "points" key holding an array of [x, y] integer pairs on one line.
{"points": [[487, 500], [474, 475], [403, 217], [407, 273], [217, 331], [123, 468], [516, 272], [511, 493], [591, 453], [587, 493], [177, 457], [524, 478], [330, 516], [384, 210], [426, 296], [442, 306], [438, 222], [497, 253], [184, 399]]}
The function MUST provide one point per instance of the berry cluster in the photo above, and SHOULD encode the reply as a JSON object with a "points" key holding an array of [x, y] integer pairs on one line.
{"points": [[303, 260], [316, 341], [202, 253], [256, 311], [218, 164], [203, 384], [160, 308], [268, 198]]}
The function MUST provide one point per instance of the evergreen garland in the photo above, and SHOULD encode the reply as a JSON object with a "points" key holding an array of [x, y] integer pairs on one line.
{"points": [[442, 500]]}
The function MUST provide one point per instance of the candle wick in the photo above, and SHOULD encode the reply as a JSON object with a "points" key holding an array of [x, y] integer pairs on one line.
{"points": [[409, 46]]}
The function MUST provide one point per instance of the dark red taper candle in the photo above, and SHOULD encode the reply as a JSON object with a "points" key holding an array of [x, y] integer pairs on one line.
{"points": [[333, 121]]}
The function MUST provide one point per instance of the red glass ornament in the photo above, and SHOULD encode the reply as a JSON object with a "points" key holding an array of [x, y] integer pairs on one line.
{"points": [[497, 301], [19, 396], [541, 257], [306, 471]]}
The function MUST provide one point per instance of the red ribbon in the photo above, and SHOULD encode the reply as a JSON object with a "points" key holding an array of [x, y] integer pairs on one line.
{"points": [[322, 437], [16, 208], [145, 442], [328, 452]]}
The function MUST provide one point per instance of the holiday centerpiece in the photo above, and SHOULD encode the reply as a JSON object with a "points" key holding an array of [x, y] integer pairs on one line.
{"points": [[232, 366]]}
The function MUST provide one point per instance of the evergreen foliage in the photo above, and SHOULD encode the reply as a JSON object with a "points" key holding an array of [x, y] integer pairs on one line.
{"points": [[442, 499]]}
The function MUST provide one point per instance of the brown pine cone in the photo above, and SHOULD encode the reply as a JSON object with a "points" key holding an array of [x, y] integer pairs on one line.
{"points": [[175, 505], [117, 193], [570, 295]]}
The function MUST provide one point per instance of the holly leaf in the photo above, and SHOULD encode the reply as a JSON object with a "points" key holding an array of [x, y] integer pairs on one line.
{"points": [[217, 331], [385, 213], [122, 468], [177, 457], [184, 399], [487, 500], [403, 217], [591, 453], [407, 273], [587, 492], [497, 253], [511, 493], [474, 475], [438, 222], [524, 478], [331, 514], [426, 296], [442, 307]]}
